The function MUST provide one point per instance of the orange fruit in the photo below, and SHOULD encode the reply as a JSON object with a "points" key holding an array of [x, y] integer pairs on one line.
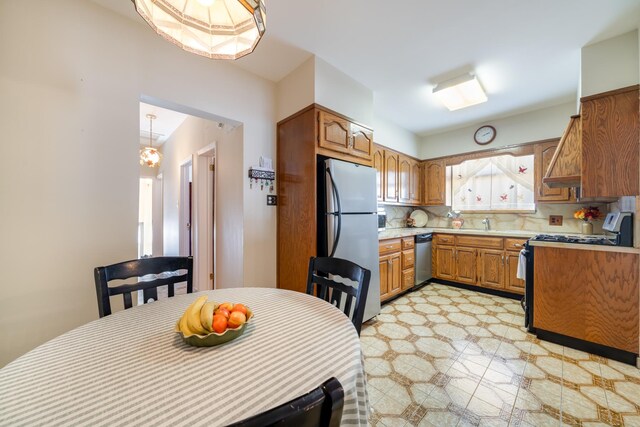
{"points": [[241, 308], [219, 323], [227, 306], [236, 319], [223, 312]]}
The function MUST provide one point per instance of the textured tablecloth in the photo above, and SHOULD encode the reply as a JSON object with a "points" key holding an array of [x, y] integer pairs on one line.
{"points": [[131, 368]]}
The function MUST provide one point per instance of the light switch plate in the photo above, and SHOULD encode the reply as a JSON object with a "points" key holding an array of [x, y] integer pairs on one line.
{"points": [[555, 220], [272, 200]]}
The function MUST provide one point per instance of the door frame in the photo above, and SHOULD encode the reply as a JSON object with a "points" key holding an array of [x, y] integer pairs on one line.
{"points": [[185, 227], [204, 218]]}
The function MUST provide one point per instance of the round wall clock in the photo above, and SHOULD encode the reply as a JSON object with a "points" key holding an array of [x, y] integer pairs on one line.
{"points": [[484, 135]]}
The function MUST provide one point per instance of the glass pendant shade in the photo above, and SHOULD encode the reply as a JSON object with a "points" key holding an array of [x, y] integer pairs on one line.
{"points": [[149, 156], [217, 29]]}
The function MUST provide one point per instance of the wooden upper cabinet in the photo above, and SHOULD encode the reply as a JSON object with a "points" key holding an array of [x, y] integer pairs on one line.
{"points": [[361, 142], [434, 182], [335, 132], [377, 158], [543, 193], [391, 165], [404, 179], [610, 144], [415, 183]]}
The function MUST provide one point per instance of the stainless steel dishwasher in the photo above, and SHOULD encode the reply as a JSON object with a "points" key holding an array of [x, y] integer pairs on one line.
{"points": [[423, 258]]}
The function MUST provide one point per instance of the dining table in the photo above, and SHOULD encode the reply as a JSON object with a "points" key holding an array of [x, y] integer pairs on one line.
{"points": [[132, 368]]}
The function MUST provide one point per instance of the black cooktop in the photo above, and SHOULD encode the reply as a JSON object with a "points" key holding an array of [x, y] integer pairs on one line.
{"points": [[593, 240]]}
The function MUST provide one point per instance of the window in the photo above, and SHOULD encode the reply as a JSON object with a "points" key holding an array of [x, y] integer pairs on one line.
{"points": [[500, 183]]}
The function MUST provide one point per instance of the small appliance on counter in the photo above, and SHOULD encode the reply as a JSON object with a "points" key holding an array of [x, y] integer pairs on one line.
{"points": [[382, 219], [621, 225]]}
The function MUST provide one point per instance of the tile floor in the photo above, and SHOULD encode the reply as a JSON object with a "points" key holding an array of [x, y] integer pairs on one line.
{"points": [[443, 356]]}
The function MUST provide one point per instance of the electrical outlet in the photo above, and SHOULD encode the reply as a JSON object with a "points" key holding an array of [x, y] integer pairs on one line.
{"points": [[555, 219], [272, 200]]}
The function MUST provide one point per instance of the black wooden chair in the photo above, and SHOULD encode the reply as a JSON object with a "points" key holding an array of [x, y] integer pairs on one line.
{"points": [[137, 268], [322, 277], [321, 407]]}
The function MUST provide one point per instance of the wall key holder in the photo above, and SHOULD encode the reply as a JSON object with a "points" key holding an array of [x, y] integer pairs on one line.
{"points": [[262, 176]]}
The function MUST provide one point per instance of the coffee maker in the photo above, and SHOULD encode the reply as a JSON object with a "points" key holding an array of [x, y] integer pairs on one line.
{"points": [[621, 225]]}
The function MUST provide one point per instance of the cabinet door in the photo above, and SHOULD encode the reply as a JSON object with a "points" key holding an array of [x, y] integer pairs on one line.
{"points": [[404, 177], [408, 279], [395, 277], [610, 144], [384, 277], [466, 265], [407, 259], [361, 142], [390, 176], [444, 262], [511, 282], [378, 164], [543, 154], [491, 268], [415, 187], [434, 182], [334, 133]]}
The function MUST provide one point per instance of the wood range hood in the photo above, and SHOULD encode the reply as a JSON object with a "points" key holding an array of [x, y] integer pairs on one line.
{"points": [[565, 167], [600, 149]]}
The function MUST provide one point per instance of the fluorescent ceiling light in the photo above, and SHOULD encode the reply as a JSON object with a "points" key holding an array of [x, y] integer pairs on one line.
{"points": [[460, 92]]}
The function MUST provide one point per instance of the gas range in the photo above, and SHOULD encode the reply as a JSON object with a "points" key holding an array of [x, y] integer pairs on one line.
{"points": [[587, 240]]}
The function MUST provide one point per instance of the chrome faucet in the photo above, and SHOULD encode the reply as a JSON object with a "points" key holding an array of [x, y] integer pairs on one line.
{"points": [[487, 224]]}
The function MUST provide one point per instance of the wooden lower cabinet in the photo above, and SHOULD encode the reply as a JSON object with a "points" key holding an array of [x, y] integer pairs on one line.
{"points": [[444, 262], [476, 265], [590, 295], [397, 266], [466, 265], [390, 275], [511, 282], [491, 263]]}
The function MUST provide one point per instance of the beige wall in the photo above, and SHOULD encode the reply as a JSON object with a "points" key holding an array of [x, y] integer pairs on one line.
{"points": [[610, 64], [517, 129], [296, 91], [393, 136], [71, 76]]}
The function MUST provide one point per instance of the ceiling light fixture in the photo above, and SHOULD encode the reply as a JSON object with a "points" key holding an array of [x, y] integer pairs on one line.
{"points": [[148, 155], [460, 92], [217, 29]]}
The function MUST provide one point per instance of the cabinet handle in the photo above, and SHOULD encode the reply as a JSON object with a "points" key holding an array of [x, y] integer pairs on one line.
{"points": [[517, 245], [389, 247]]}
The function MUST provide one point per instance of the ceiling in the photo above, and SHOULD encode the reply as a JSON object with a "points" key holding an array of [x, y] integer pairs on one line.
{"points": [[165, 123], [526, 54]]}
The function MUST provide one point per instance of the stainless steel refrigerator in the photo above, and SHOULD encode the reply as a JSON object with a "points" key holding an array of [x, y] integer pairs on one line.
{"points": [[349, 230]]}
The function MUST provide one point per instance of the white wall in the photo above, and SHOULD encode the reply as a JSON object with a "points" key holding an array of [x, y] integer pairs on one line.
{"points": [[71, 77], [393, 136], [517, 129], [339, 92], [296, 90], [610, 64]]}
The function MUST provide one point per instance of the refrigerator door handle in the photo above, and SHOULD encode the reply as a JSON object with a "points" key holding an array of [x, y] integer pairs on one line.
{"points": [[336, 196]]}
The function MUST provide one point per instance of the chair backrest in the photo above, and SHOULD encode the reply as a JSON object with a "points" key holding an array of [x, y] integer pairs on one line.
{"points": [[138, 268], [321, 279], [321, 407]]}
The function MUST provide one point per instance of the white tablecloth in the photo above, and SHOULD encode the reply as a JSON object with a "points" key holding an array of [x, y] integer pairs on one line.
{"points": [[131, 368]]}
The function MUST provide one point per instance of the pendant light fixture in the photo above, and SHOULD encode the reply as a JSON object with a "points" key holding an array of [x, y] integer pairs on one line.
{"points": [[148, 155], [217, 29]]}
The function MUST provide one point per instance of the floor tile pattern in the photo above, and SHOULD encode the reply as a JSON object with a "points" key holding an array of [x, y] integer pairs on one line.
{"points": [[443, 356]]}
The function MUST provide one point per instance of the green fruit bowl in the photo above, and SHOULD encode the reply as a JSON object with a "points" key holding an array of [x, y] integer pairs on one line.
{"points": [[212, 339]]}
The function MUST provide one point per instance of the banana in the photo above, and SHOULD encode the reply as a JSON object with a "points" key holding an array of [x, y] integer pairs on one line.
{"points": [[206, 315], [193, 316]]}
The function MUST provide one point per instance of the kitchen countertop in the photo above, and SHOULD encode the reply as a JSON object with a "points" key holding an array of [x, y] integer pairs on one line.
{"points": [[601, 248], [405, 232]]}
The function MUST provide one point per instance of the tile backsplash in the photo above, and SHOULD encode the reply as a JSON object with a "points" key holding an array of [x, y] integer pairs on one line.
{"points": [[537, 222]]}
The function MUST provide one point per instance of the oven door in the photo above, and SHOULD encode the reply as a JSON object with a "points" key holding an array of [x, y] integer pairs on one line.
{"points": [[527, 301]]}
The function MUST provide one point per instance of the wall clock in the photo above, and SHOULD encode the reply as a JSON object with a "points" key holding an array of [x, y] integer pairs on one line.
{"points": [[484, 135]]}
